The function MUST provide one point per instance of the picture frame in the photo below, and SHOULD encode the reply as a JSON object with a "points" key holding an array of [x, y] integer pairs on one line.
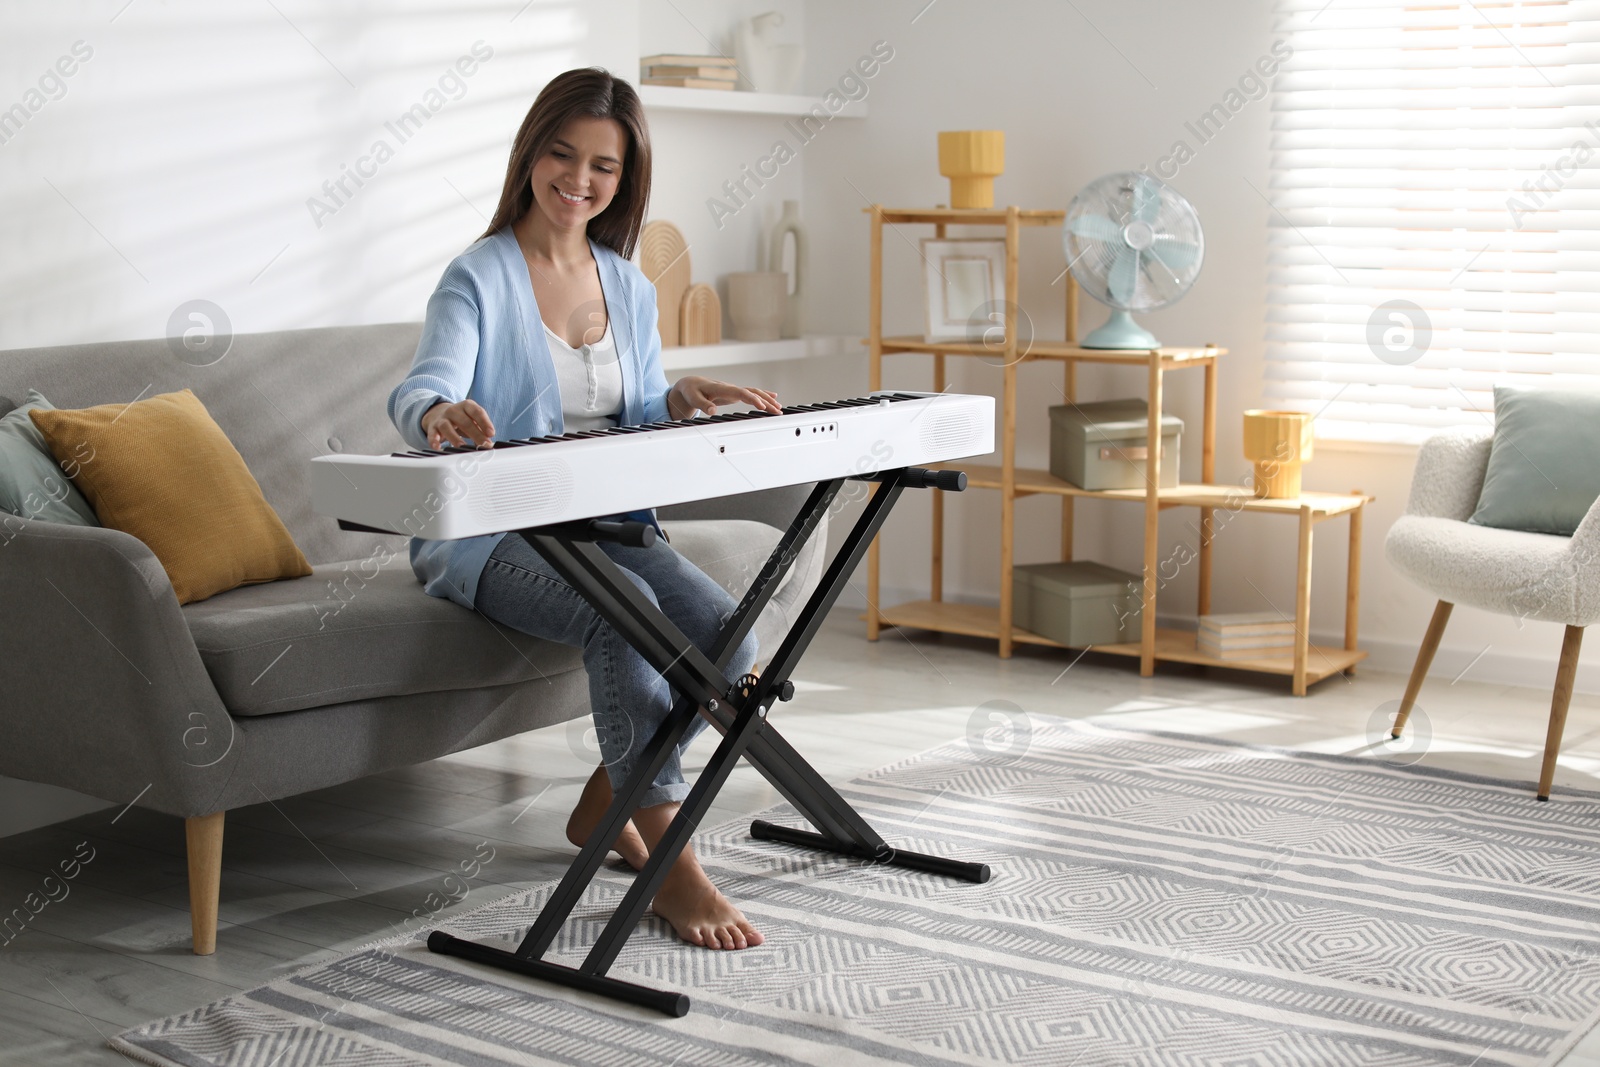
{"points": [[964, 287]]}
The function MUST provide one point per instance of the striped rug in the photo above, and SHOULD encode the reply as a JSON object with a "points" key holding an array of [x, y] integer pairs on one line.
{"points": [[1157, 899]]}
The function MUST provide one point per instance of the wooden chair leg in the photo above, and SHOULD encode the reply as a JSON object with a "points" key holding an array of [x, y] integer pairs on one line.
{"points": [[1430, 645], [1566, 673], [204, 837]]}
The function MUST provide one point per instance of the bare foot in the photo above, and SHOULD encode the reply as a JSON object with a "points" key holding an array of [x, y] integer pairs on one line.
{"points": [[687, 899], [701, 915], [591, 808]]}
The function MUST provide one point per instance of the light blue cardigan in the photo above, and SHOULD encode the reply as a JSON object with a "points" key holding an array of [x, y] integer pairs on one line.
{"points": [[483, 339]]}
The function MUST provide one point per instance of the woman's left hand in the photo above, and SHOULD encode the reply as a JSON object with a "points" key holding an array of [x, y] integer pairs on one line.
{"points": [[694, 392]]}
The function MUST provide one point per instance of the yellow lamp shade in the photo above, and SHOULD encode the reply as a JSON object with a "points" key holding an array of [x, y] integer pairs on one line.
{"points": [[1277, 442], [972, 159]]}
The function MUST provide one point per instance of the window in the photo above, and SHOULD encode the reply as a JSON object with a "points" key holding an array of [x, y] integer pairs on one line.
{"points": [[1435, 222]]}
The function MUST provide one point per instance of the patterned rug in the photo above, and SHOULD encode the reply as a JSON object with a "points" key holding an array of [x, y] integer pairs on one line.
{"points": [[1157, 899]]}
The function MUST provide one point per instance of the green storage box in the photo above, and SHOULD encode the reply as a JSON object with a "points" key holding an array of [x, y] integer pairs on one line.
{"points": [[1078, 603], [1102, 445]]}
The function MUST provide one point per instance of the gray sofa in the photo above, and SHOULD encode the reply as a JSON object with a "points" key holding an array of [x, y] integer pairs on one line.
{"points": [[112, 689]]}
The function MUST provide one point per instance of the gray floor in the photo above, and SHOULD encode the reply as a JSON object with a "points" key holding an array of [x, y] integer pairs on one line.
{"points": [[315, 876]]}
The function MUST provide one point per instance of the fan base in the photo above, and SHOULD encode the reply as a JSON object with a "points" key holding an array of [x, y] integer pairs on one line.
{"points": [[1120, 331]]}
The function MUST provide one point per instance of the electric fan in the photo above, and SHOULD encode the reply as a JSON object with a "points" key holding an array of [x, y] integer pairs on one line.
{"points": [[1133, 244]]}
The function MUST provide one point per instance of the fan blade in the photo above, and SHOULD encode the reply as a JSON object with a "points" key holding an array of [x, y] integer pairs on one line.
{"points": [[1096, 228], [1176, 256], [1123, 275], [1146, 199]]}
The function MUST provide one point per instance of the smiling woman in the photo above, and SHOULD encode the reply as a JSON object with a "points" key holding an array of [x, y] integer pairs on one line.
{"points": [[540, 327], [597, 96]]}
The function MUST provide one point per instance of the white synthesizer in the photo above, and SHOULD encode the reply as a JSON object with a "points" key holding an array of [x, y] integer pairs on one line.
{"points": [[463, 492]]}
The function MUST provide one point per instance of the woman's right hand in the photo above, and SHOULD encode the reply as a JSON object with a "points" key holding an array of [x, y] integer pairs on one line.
{"points": [[452, 424]]}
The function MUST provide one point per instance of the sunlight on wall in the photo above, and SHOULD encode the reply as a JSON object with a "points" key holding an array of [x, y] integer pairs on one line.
{"points": [[298, 165]]}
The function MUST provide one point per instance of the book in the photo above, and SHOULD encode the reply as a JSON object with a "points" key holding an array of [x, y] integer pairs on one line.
{"points": [[1272, 652], [689, 83], [672, 59], [677, 71], [1239, 624], [1246, 641]]}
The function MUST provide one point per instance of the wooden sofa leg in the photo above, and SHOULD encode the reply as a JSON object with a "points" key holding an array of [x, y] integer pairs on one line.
{"points": [[204, 837], [1430, 645], [1566, 674]]}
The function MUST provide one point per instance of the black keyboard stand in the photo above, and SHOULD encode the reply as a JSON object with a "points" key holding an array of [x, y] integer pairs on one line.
{"points": [[737, 708]]}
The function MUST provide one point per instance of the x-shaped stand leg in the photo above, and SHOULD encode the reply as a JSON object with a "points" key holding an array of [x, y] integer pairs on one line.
{"points": [[737, 708]]}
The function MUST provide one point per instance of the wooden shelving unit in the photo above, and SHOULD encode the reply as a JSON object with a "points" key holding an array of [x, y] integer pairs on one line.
{"points": [[1308, 664]]}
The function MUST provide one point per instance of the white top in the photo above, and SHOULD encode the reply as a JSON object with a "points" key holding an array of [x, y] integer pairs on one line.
{"points": [[590, 379]]}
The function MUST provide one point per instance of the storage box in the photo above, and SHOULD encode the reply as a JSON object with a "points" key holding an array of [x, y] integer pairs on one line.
{"points": [[1102, 445], [1078, 603]]}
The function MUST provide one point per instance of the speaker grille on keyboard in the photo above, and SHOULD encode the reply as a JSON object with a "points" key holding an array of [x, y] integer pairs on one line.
{"points": [[949, 431], [525, 494]]}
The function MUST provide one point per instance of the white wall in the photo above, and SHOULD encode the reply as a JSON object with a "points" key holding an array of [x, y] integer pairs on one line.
{"points": [[177, 161]]}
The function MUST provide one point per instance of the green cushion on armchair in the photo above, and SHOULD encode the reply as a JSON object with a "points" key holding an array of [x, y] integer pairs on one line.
{"points": [[31, 483], [1544, 464]]}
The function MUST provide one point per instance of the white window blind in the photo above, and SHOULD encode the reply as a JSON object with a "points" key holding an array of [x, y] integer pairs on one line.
{"points": [[1435, 222]]}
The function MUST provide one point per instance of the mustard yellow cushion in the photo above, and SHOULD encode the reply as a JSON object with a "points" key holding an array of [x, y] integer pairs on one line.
{"points": [[162, 470]]}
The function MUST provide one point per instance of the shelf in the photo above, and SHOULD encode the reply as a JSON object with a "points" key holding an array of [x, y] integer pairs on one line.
{"points": [[1040, 349], [970, 216], [673, 98], [1229, 497], [1172, 646], [1012, 482], [740, 353]]}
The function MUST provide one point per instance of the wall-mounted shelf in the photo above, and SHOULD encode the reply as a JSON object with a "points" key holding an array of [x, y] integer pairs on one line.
{"points": [[739, 353], [672, 98]]}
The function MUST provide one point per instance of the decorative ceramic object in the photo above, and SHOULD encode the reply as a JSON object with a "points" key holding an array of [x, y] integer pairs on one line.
{"points": [[664, 259], [765, 65], [972, 159], [756, 302], [700, 322], [1277, 442], [789, 226]]}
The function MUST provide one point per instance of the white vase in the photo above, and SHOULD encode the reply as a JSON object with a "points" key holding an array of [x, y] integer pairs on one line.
{"points": [[787, 225], [756, 300], [765, 65]]}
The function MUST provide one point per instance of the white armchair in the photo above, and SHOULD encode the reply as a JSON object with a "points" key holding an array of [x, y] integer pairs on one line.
{"points": [[1529, 575]]}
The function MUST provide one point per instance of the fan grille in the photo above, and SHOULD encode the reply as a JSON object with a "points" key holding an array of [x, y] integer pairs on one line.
{"points": [[1139, 268]]}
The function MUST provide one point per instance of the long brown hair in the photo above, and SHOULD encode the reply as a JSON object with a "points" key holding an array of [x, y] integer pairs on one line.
{"points": [[587, 92]]}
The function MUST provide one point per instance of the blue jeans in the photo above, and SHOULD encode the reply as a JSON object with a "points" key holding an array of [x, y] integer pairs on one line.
{"points": [[628, 697]]}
